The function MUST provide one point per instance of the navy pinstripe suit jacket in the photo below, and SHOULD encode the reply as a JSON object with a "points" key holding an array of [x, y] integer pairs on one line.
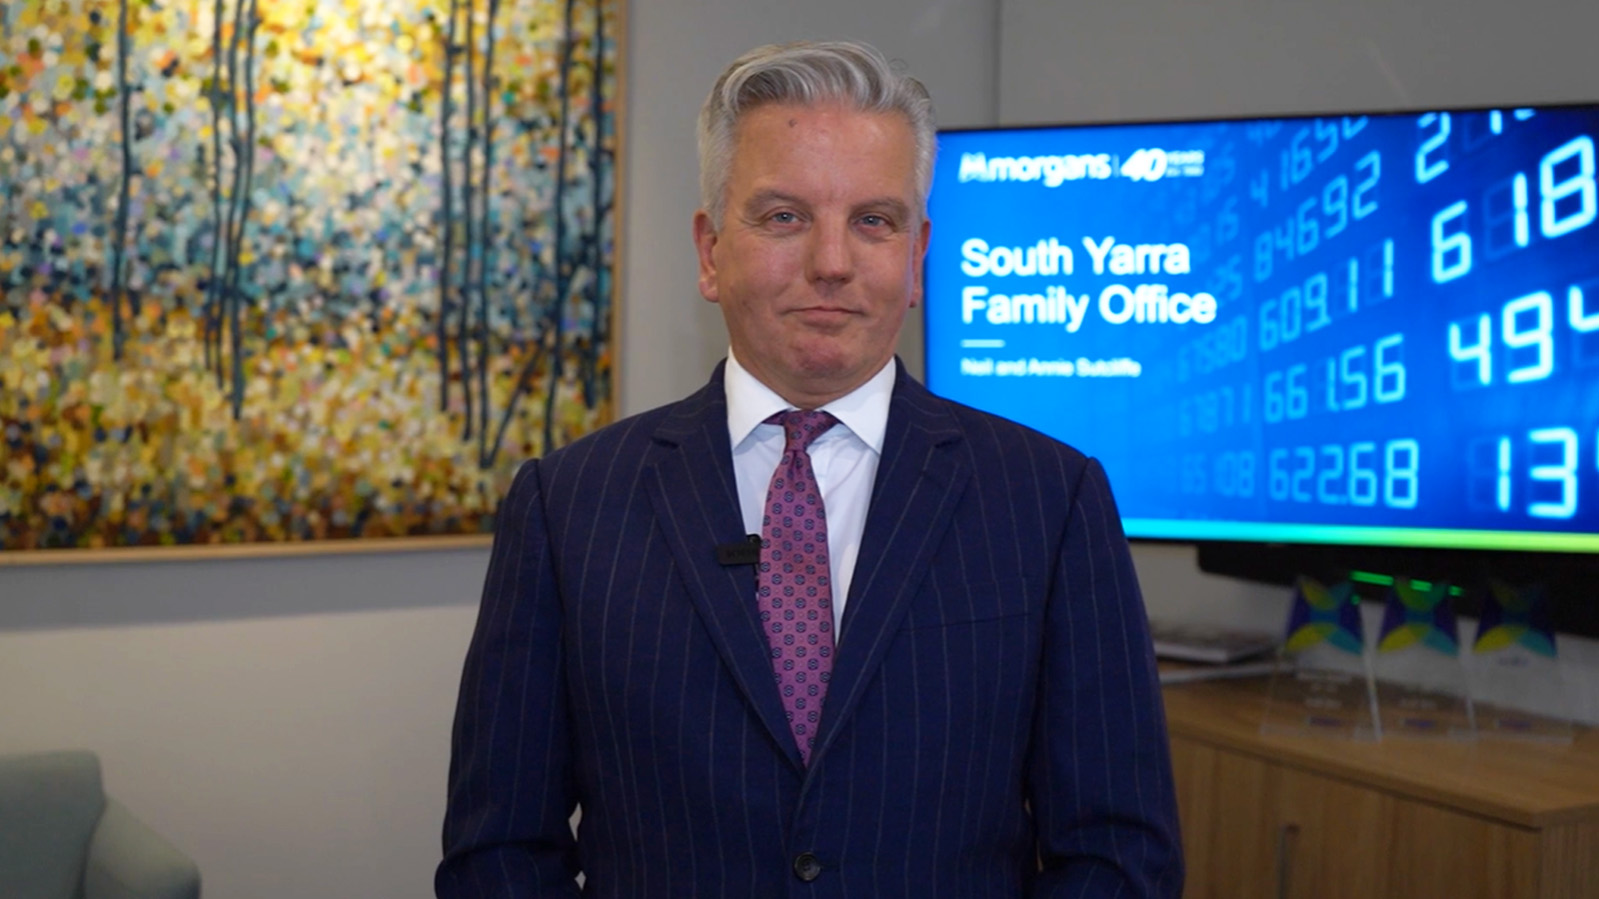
{"points": [[993, 726]]}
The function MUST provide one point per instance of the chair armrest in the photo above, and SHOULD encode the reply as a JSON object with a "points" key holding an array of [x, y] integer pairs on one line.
{"points": [[128, 860]]}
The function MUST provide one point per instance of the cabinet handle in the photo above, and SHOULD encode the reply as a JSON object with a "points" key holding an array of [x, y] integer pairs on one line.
{"points": [[1285, 848]]}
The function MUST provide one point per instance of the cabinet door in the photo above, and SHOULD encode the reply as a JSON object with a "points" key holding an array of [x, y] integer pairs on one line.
{"points": [[1341, 840], [1224, 801]]}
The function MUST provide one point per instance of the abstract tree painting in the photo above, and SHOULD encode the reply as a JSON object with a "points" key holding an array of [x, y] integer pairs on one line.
{"points": [[297, 270]]}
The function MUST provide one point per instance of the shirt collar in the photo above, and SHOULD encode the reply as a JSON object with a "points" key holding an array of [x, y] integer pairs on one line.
{"points": [[863, 410]]}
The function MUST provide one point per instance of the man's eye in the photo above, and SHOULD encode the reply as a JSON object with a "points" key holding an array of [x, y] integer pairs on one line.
{"points": [[874, 220], [784, 218]]}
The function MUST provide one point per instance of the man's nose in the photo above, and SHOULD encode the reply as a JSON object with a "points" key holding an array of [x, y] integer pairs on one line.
{"points": [[831, 259]]}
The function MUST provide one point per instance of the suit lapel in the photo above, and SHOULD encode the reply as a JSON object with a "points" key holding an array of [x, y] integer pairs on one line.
{"points": [[919, 480], [691, 486]]}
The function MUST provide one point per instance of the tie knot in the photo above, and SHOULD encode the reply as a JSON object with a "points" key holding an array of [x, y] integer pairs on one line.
{"points": [[801, 426]]}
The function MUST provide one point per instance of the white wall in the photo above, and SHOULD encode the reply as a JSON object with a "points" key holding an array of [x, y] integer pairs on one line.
{"points": [[284, 722], [287, 721], [1147, 59]]}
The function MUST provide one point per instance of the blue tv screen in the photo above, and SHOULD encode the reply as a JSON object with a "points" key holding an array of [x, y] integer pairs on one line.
{"points": [[1364, 329]]}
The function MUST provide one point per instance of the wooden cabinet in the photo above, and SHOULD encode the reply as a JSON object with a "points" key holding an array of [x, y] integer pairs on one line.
{"points": [[1285, 816]]}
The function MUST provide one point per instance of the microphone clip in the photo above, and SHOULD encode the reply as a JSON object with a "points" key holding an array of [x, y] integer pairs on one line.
{"points": [[743, 552]]}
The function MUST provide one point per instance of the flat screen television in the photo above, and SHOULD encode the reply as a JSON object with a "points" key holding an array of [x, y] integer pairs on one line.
{"points": [[1305, 343]]}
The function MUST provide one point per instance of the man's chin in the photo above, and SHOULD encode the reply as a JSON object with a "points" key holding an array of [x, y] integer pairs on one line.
{"points": [[835, 372]]}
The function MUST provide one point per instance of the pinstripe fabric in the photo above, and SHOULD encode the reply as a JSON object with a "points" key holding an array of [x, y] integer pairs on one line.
{"points": [[993, 705]]}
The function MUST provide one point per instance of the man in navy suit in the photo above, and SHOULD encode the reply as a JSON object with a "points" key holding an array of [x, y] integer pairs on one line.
{"points": [[966, 704]]}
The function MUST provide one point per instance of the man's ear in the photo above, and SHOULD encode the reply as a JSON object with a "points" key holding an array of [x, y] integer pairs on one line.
{"points": [[704, 242], [921, 261]]}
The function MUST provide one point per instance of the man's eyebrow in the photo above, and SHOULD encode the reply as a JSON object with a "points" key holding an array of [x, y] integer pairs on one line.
{"points": [[890, 204], [767, 197]]}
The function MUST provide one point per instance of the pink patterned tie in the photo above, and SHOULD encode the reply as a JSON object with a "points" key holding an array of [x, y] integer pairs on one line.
{"points": [[795, 585]]}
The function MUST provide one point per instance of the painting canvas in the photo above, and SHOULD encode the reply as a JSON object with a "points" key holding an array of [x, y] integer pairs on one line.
{"points": [[282, 272]]}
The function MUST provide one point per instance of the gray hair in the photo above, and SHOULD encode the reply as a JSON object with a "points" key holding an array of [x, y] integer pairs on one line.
{"points": [[807, 73]]}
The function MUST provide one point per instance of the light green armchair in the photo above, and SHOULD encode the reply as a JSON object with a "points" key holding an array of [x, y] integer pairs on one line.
{"points": [[62, 838]]}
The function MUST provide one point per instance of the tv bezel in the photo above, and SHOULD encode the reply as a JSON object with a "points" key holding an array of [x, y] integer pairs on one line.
{"points": [[1570, 577]]}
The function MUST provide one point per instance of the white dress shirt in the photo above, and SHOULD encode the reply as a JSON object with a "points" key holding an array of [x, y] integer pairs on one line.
{"points": [[844, 459]]}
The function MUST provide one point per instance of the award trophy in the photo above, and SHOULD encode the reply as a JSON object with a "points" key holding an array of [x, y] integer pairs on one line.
{"points": [[1322, 685], [1421, 682], [1516, 681]]}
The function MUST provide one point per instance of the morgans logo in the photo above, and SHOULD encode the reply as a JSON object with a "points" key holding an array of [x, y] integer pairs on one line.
{"points": [[1148, 164], [1053, 170]]}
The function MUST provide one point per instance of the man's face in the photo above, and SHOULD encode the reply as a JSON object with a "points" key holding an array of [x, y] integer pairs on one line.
{"points": [[821, 246]]}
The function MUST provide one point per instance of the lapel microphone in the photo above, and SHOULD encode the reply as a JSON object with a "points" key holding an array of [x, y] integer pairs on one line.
{"points": [[742, 552]]}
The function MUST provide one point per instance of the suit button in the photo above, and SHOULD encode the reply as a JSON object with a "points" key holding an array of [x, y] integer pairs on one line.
{"points": [[806, 867]]}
